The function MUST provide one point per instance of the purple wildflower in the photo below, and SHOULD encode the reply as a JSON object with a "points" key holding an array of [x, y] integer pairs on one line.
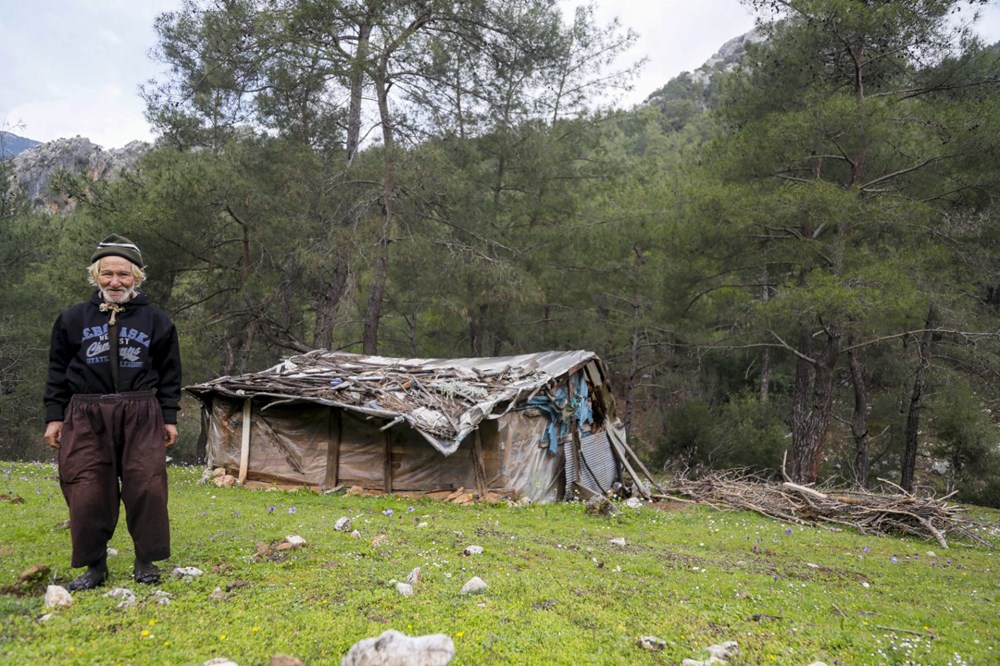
{"points": [[894, 559], [291, 509]]}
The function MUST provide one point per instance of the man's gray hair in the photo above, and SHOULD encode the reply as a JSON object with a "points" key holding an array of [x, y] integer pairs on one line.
{"points": [[92, 271]]}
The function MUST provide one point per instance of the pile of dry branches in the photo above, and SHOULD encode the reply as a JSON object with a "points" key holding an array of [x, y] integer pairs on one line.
{"points": [[896, 513]]}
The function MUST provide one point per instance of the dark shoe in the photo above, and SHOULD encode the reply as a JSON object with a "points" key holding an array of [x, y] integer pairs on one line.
{"points": [[91, 578], [145, 573]]}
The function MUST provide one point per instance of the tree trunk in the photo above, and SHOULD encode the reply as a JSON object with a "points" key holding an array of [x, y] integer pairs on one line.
{"points": [[353, 139], [909, 463], [327, 301], [373, 313], [765, 370], [859, 422], [812, 402]]}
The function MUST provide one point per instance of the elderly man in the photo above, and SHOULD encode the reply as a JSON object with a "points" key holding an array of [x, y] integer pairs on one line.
{"points": [[111, 401]]}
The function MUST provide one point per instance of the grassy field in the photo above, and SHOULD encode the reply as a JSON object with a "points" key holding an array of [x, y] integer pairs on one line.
{"points": [[560, 590]]}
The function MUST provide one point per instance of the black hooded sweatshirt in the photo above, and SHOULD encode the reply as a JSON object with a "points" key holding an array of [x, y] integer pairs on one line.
{"points": [[149, 356]]}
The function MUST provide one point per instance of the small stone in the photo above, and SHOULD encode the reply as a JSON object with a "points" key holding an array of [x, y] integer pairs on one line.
{"points": [[380, 540], [474, 586], [126, 595], [652, 643], [405, 589], [600, 506], [355, 534], [633, 503], [343, 524], [724, 651], [618, 541], [57, 596], [472, 550], [225, 481], [414, 576], [187, 572], [295, 540], [220, 661], [217, 595]]}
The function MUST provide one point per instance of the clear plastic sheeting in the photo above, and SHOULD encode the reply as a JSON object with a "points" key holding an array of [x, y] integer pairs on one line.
{"points": [[288, 442], [527, 468]]}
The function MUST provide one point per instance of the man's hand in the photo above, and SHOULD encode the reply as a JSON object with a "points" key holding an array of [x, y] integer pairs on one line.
{"points": [[53, 433], [170, 434]]}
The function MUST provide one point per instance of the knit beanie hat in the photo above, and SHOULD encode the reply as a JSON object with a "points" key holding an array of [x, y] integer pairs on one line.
{"points": [[118, 246]]}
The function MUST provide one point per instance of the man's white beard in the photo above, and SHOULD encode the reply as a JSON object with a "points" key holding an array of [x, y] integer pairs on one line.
{"points": [[119, 296]]}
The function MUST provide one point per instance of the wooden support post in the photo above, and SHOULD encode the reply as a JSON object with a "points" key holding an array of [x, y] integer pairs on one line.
{"points": [[387, 466], [336, 430], [624, 460], [245, 441], [479, 463]]}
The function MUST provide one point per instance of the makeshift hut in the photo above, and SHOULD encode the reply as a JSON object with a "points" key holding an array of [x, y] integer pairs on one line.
{"points": [[538, 426]]}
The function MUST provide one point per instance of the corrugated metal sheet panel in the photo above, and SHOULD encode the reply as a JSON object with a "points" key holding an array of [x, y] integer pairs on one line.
{"points": [[598, 465]]}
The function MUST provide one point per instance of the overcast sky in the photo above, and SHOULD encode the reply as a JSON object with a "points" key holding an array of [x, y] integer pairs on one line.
{"points": [[73, 67]]}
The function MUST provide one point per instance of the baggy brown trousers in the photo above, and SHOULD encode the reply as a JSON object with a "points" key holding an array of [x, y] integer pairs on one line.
{"points": [[112, 451]]}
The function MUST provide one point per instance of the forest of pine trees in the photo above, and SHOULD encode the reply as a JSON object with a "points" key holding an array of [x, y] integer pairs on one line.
{"points": [[798, 262]]}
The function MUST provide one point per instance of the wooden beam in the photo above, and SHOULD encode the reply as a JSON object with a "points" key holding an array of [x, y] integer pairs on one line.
{"points": [[245, 441], [387, 465], [336, 433], [479, 463]]}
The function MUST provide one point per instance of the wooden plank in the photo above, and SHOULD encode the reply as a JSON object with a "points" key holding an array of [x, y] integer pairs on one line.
{"points": [[336, 430], [615, 444], [479, 463], [245, 441], [613, 434], [387, 465]]}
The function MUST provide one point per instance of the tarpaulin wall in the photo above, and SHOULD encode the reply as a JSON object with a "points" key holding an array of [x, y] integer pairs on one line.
{"points": [[298, 442]]}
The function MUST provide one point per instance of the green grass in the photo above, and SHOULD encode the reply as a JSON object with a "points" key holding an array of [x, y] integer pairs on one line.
{"points": [[559, 591]]}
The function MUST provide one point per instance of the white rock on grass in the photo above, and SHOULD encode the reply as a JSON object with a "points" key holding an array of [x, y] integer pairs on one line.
{"points": [[295, 540], [187, 573], [414, 576], [618, 541], [126, 595], [220, 661], [393, 648], [343, 524], [633, 503], [57, 596], [404, 589], [474, 586], [472, 550], [718, 654]]}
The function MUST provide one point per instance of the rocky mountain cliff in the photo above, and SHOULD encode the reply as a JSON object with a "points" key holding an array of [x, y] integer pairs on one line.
{"points": [[12, 144], [33, 169]]}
